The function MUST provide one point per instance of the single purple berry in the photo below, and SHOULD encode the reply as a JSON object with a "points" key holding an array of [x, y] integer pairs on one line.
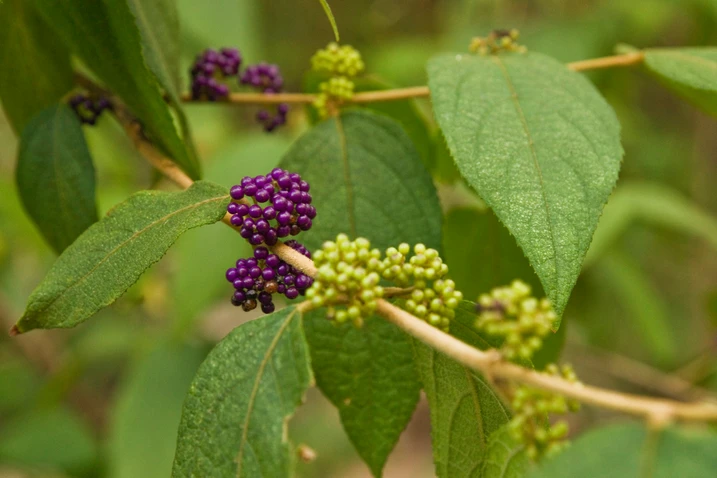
{"points": [[291, 293], [264, 297], [270, 238], [288, 279], [283, 269], [236, 220], [283, 231], [256, 239], [254, 272], [269, 212], [294, 230], [261, 253], [276, 173], [250, 189], [268, 274], [262, 195], [242, 272], [283, 218], [272, 261], [242, 209], [239, 296], [236, 192], [304, 186], [284, 182], [255, 211], [246, 180], [246, 232], [251, 262], [302, 281], [268, 308], [295, 196], [232, 208], [231, 274], [238, 284], [304, 222], [247, 282], [281, 288], [248, 223]]}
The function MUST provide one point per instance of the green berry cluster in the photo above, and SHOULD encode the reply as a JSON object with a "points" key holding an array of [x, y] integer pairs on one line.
{"points": [[496, 42], [343, 63], [520, 319], [348, 276], [434, 297], [531, 420], [336, 89], [338, 60]]}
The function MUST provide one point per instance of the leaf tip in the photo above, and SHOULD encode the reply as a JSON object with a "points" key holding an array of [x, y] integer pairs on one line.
{"points": [[14, 331]]}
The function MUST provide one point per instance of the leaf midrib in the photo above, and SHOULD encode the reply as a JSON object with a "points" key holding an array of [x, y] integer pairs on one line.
{"points": [[255, 388], [519, 110], [118, 247], [347, 176]]}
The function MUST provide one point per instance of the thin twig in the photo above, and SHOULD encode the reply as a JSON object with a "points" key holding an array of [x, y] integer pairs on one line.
{"points": [[489, 362], [626, 59]]}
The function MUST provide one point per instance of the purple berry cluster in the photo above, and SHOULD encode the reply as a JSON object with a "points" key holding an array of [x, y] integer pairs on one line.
{"points": [[281, 207], [88, 109], [209, 68], [257, 279], [267, 79]]}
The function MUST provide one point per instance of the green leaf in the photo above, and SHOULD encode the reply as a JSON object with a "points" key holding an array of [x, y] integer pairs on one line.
{"points": [[539, 145], [631, 451], [51, 438], [36, 65], [56, 176], [504, 457], [234, 417], [330, 16], [367, 180], [369, 375], [145, 419], [158, 24], [465, 411], [105, 36], [111, 255], [652, 204], [689, 72]]}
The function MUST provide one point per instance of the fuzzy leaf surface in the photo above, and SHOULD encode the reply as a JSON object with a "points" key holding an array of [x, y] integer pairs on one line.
{"points": [[504, 457], [689, 72], [367, 180], [465, 411], [234, 417], [36, 66], [56, 176], [540, 146], [111, 255]]}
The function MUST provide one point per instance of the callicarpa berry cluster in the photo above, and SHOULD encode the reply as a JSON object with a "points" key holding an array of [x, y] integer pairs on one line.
{"points": [[349, 273], [88, 108], [258, 278], [212, 68], [497, 41], [342, 63], [267, 208]]}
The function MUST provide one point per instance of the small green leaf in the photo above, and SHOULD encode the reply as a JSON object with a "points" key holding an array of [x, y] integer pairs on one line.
{"points": [[234, 417], [55, 439], [367, 180], [465, 411], [539, 145], [330, 16], [368, 374], [111, 255], [56, 176], [145, 419], [504, 457], [689, 72], [36, 66], [631, 451], [105, 36]]}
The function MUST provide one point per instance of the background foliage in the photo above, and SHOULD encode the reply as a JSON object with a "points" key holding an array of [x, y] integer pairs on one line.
{"points": [[648, 289]]}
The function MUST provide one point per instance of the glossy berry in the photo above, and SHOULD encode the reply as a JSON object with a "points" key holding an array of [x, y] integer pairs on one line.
{"points": [[89, 108], [275, 214], [256, 279], [208, 71]]}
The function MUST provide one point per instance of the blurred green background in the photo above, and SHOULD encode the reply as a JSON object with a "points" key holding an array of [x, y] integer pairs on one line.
{"points": [[104, 399]]}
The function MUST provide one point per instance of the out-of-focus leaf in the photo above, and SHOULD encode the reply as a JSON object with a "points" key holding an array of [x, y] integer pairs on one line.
{"points": [[105, 36], [631, 451], [18, 385], [56, 176], [145, 418], [234, 418], [652, 204], [112, 254], [52, 438], [689, 72], [36, 66], [540, 146]]}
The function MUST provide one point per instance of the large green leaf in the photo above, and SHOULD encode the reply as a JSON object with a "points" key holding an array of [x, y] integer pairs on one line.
{"points": [[540, 146], [111, 255], [631, 451], [690, 72], [56, 176], [504, 457], [465, 411], [367, 180], [105, 36], [234, 417], [369, 375], [36, 66], [145, 418]]}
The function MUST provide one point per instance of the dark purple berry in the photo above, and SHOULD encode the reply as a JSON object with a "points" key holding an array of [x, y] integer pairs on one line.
{"points": [[262, 195], [271, 237], [261, 253], [268, 274], [239, 296], [242, 209], [269, 213], [242, 272], [256, 239], [304, 223], [302, 281], [283, 231], [232, 208], [249, 304], [231, 274], [267, 308], [283, 269], [291, 293], [294, 230], [264, 297], [255, 211], [283, 218], [250, 189], [262, 226], [254, 272], [236, 192], [272, 261], [246, 232]]}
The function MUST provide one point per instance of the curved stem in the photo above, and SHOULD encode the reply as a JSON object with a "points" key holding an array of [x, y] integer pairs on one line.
{"points": [[490, 363], [626, 59]]}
